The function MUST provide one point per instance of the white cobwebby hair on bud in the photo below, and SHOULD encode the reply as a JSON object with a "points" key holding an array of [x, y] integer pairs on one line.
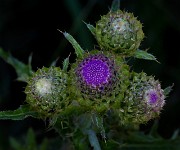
{"points": [[43, 86]]}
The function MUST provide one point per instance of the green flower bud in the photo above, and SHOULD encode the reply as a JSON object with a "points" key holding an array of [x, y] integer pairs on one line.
{"points": [[97, 79], [46, 91], [120, 32], [143, 100]]}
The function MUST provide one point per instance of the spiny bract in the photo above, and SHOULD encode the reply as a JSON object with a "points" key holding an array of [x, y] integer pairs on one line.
{"points": [[120, 32], [46, 90]]}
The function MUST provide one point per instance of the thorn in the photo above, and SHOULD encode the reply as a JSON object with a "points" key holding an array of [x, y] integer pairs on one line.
{"points": [[60, 31], [69, 54], [84, 22]]}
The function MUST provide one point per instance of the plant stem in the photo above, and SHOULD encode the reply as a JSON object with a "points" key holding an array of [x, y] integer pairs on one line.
{"points": [[93, 139]]}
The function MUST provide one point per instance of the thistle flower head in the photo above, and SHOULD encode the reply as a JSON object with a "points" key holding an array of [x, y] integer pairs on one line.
{"points": [[96, 75], [97, 80], [154, 96], [143, 100], [46, 90], [119, 31]]}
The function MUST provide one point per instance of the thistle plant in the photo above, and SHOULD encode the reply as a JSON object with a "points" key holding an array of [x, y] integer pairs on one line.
{"points": [[98, 85]]}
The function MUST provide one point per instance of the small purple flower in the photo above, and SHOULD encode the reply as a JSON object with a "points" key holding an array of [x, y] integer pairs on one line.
{"points": [[95, 72], [154, 98], [96, 75], [151, 96]]}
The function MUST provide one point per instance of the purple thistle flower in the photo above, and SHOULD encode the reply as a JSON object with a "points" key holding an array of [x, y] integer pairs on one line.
{"points": [[151, 96], [95, 72], [96, 75], [154, 98]]}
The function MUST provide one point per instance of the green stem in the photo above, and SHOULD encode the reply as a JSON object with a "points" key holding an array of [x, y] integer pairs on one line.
{"points": [[93, 139]]}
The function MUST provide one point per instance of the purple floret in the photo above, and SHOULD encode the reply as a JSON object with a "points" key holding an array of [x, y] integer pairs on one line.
{"points": [[95, 72], [96, 75], [153, 97]]}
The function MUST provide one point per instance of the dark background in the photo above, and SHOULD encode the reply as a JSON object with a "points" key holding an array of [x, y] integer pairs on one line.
{"points": [[30, 26]]}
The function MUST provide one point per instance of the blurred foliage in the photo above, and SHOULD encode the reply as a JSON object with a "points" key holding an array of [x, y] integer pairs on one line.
{"points": [[31, 27], [29, 142], [23, 71], [133, 140]]}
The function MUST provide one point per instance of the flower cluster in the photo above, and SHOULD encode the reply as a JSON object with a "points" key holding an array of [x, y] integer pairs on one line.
{"points": [[101, 80]]}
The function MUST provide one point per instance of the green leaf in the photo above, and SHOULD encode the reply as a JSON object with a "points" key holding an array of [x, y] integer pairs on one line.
{"points": [[168, 90], [78, 50], [115, 5], [31, 139], [141, 141], [161, 145], [66, 63], [21, 113], [91, 28], [141, 54], [15, 144], [44, 144], [153, 132], [28, 142], [23, 71]]}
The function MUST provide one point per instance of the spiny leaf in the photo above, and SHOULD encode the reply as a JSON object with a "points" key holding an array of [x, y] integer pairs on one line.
{"points": [[78, 50], [168, 90], [91, 28], [115, 5], [66, 64], [21, 113], [141, 54], [23, 71]]}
